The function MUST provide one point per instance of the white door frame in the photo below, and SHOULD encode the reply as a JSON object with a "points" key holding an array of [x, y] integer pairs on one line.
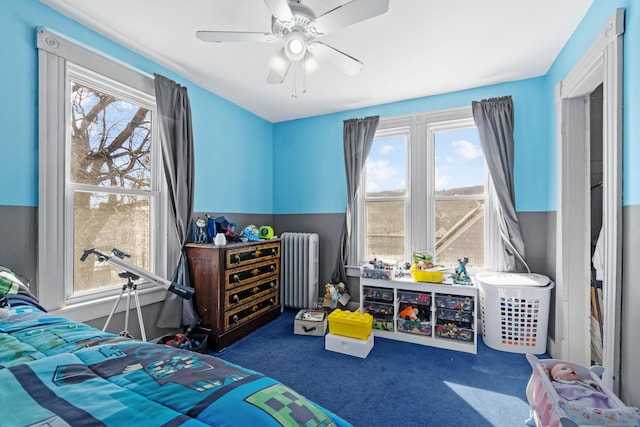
{"points": [[601, 64]]}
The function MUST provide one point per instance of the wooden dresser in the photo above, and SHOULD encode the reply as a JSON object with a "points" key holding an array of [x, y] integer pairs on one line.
{"points": [[237, 288]]}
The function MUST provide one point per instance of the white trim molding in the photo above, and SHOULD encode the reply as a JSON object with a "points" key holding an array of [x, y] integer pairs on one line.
{"points": [[59, 60], [602, 64]]}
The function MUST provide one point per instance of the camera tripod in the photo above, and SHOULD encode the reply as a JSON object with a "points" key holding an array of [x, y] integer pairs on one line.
{"points": [[130, 287]]}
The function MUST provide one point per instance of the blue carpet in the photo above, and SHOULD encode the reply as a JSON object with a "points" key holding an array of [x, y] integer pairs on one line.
{"points": [[398, 384]]}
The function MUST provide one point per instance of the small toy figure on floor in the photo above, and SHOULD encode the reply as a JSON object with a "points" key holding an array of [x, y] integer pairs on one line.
{"points": [[461, 275]]}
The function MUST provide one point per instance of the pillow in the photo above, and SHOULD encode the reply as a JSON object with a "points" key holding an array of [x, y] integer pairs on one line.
{"points": [[12, 283]]}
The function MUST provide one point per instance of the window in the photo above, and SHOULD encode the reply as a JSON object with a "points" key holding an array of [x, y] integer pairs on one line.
{"points": [[425, 187], [100, 180], [459, 196], [110, 181], [386, 197]]}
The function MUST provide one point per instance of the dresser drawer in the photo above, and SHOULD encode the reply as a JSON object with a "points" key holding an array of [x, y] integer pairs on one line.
{"points": [[244, 256], [244, 294], [251, 273], [245, 313]]}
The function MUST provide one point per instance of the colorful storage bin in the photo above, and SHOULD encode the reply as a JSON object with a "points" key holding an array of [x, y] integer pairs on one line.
{"points": [[371, 293], [376, 273], [454, 303], [414, 327], [378, 308], [463, 317], [454, 332], [421, 298]]}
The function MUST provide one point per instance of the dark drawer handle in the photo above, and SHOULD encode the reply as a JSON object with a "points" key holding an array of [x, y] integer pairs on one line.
{"points": [[273, 285], [272, 267], [236, 278], [235, 318], [272, 301], [274, 251], [235, 258], [236, 299]]}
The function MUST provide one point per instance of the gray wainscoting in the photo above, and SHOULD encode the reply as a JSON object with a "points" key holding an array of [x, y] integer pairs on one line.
{"points": [[328, 227], [539, 234], [18, 227], [19, 248], [630, 314]]}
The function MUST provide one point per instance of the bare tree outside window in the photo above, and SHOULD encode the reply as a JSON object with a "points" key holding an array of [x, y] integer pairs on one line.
{"points": [[110, 177]]}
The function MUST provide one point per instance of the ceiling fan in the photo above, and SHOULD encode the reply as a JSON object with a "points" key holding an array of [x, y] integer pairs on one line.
{"points": [[297, 27]]}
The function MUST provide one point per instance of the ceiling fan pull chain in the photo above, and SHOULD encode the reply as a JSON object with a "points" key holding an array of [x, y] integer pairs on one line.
{"points": [[304, 74], [294, 93]]}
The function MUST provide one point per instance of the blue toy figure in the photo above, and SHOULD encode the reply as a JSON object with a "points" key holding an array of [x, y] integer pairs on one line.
{"points": [[461, 271]]}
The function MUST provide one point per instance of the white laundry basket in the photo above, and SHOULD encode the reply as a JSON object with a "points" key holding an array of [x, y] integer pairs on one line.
{"points": [[515, 311]]}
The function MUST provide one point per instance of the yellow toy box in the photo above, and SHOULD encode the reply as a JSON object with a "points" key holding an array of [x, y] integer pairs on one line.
{"points": [[350, 324]]}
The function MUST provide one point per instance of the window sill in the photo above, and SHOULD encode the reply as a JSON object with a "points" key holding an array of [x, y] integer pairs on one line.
{"points": [[95, 309], [353, 270]]}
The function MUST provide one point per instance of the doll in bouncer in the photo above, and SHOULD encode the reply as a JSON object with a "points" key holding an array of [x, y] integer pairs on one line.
{"points": [[572, 387], [586, 402]]}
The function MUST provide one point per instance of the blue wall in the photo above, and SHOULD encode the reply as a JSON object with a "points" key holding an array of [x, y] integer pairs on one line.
{"points": [[246, 164], [309, 172], [233, 147], [589, 28], [317, 183]]}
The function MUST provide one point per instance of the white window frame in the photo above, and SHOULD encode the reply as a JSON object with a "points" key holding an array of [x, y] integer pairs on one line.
{"points": [[392, 129], [58, 57], [421, 130]]}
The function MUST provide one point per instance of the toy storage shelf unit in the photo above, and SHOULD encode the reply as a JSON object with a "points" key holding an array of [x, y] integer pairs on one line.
{"points": [[438, 315]]}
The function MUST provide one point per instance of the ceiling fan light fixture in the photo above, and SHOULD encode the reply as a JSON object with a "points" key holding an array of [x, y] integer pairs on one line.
{"points": [[295, 46], [310, 63], [279, 63]]}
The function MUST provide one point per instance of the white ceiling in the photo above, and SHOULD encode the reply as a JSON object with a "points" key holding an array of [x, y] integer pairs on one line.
{"points": [[418, 48]]}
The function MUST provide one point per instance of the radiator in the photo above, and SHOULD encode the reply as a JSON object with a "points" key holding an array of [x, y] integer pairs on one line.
{"points": [[300, 268]]}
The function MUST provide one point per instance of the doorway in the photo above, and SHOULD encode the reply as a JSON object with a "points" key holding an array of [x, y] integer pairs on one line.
{"points": [[600, 66], [595, 195]]}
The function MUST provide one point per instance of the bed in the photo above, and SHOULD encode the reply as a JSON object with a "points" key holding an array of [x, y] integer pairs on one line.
{"points": [[56, 372], [548, 409]]}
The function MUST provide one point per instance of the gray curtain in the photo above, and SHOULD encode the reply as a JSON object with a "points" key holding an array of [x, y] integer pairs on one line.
{"points": [[494, 120], [176, 139], [358, 136]]}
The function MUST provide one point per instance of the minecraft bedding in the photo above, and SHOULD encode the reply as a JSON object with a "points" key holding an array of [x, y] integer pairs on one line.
{"points": [[56, 372]]}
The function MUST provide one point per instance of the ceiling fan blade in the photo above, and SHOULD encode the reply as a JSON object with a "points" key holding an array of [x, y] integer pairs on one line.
{"points": [[280, 10], [279, 64], [350, 13], [234, 36], [345, 63]]}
